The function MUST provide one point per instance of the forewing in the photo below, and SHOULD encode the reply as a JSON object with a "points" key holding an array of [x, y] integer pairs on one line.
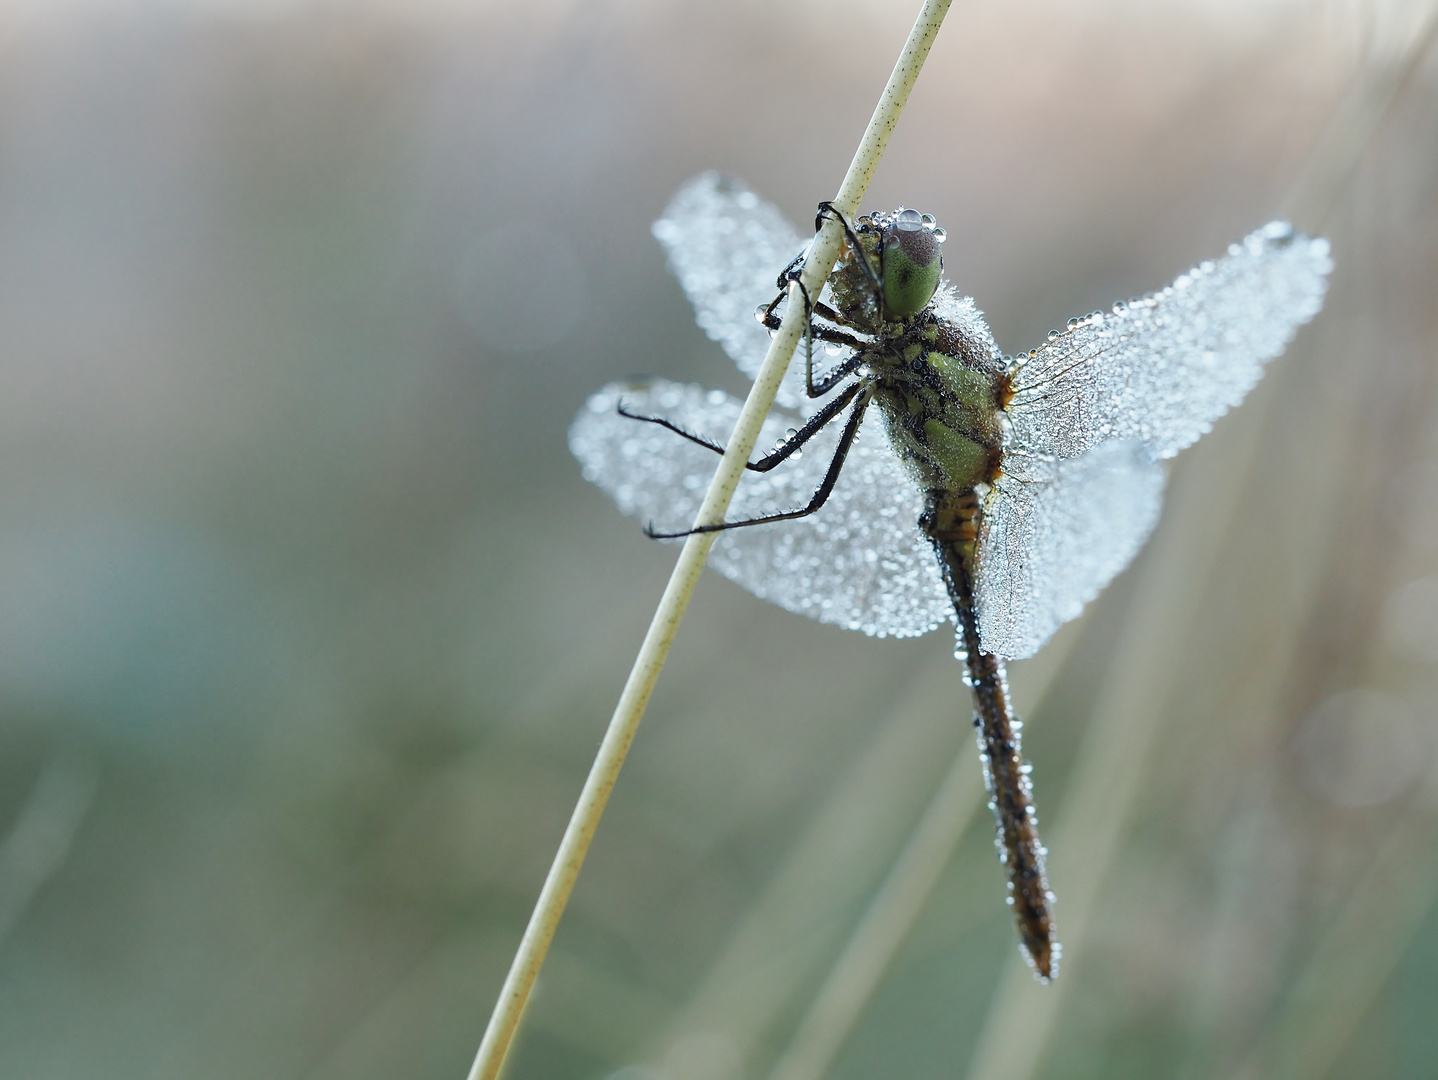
{"points": [[727, 247], [1055, 532], [860, 562], [1162, 369]]}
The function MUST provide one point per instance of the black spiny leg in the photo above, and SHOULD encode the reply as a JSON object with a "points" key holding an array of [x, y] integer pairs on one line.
{"points": [[829, 381], [791, 275], [823, 310], [781, 452], [823, 333], [821, 495], [827, 209]]}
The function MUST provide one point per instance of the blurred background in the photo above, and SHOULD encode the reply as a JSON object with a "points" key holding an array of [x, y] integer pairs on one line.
{"points": [[309, 626]]}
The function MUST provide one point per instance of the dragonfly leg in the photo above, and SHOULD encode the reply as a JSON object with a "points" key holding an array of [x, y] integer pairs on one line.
{"points": [[784, 450], [827, 209], [821, 494], [812, 427], [790, 272], [822, 333], [683, 433], [791, 275], [823, 310], [771, 321], [808, 341], [831, 379]]}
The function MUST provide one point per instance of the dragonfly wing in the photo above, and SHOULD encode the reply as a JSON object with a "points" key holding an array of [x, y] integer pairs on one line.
{"points": [[1162, 369], [860, 562], [727, 247], [1053, 533]]}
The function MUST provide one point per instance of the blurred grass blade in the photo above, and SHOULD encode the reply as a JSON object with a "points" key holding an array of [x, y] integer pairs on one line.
{"points": [[40, 838], [1329, 170], [886, 924], [1357, 955]]}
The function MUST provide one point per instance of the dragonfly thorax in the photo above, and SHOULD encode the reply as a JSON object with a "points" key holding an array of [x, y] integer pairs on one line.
{"points": [[941, 395]]}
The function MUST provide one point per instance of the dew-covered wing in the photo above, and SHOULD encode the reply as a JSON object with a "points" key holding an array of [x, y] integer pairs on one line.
{"points": [[1162, 369], [1053, 533], [727, 247], [861, 562]]}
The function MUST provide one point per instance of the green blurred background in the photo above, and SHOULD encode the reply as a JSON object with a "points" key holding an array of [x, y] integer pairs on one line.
{"points": [[309, 625]]}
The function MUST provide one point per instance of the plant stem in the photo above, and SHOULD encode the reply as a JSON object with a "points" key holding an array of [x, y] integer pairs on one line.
{"points": [[652, 653]]}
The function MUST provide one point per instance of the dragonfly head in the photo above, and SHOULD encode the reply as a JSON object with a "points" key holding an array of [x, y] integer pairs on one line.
{"points": [[910, 261]]}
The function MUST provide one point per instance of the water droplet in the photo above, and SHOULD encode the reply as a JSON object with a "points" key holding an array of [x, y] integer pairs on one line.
{"points": [[940, 235]]}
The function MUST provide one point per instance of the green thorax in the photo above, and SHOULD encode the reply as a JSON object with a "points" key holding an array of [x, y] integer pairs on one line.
{"points": [[941, 403], [937, 382]]}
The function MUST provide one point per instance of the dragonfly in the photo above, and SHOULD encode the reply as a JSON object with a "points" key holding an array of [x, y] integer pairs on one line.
{"points": [[1003, 492]]}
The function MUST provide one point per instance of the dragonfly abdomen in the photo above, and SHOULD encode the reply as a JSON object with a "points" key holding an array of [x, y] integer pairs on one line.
{"points": [[950, 522]]}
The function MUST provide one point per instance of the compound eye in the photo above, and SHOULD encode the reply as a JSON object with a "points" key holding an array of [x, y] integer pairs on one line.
{"points": [[912, 264]]}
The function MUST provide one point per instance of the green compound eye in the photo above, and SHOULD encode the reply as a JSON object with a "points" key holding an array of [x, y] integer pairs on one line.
{"points": [[912, 263]]}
